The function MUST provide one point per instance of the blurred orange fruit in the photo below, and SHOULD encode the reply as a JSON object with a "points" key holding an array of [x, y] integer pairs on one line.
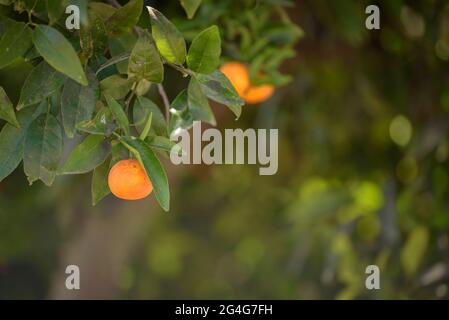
{"points": [[238, 75], [127, 180], [258, 94]]}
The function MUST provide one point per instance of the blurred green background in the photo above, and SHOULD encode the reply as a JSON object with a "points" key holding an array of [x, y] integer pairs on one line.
{"points": [[363, 179]]}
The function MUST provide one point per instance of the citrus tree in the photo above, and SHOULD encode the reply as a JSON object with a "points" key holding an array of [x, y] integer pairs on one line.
{"points": [[93, 82]]}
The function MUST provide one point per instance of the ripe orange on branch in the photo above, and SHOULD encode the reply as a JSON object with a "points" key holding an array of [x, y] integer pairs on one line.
{"points": [[127, 180], [238, 75]]}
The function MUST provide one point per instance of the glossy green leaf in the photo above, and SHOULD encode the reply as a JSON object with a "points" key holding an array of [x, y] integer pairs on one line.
{"points": [[141, 109], [43, 149], [6, 109], [190, 7], [88, 155], [145, 61], [41, 83], [100, 187], [119, 113], [169, 40], [59, 53], [205, 50], [78, 103], [198, 104], [125, 18], [153, 168], [14, 42], [218, 88], [102, 123], [12, 140]]}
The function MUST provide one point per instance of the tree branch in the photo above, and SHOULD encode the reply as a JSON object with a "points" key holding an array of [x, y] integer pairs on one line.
{"points": [[163, 94]]}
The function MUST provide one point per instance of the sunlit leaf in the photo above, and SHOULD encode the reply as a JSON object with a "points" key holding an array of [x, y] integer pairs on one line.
{"points": [[169, 40], [205, 50]]}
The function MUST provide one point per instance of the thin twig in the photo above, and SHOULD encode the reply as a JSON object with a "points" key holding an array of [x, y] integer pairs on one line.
{"points": [[163, 94]]}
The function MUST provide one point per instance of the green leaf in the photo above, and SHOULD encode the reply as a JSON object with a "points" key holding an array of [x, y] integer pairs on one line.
{"points": [[162, 143], [181, 116], [153, 168], [12, 140], [204, 53], [59, 53], [119, 152], [78, 103], [169, 40], [14, 42], [141, 109], [88, 155], [145, 61], [100, 187], [102, 123], [118, 113], [414, 249], [43, 149], [7, 109], [94, 37], [190, 7], [116, 86], [55, 9], [198, 103], [122, 45], [125, 18], [217, 87], [41, 83], [103, 10]]}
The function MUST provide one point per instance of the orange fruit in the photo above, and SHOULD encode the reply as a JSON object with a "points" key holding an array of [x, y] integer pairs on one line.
{"points": [[258, 94], [238, 75], [127, 180]]}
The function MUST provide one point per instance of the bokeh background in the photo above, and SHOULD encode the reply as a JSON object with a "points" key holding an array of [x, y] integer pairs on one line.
{"points": [[363, 179]]}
